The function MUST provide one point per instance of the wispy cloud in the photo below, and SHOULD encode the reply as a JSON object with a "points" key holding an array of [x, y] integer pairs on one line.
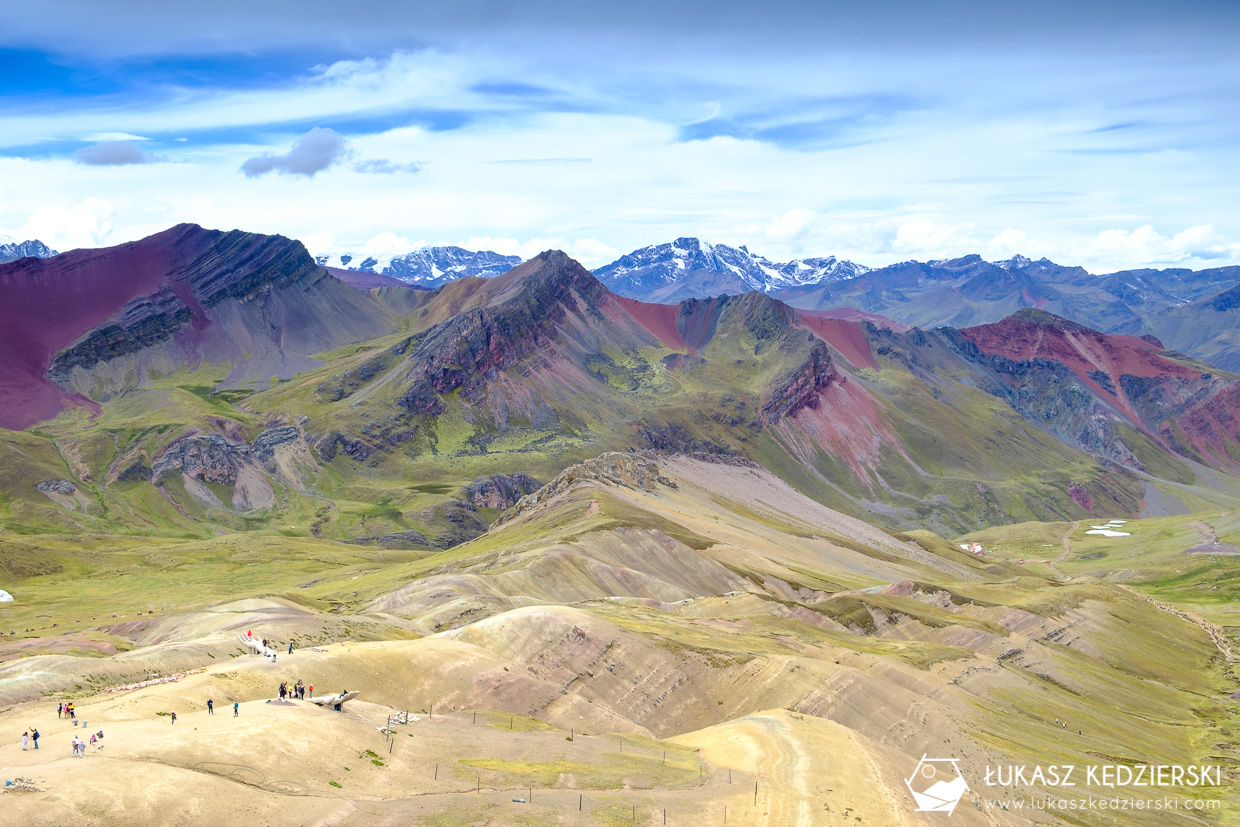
{"points": [[382, 166], [312, 153], [807, 124]]}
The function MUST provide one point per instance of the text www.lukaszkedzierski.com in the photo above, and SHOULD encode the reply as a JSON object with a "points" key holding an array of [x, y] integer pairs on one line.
{"points": [[1053, 804]]}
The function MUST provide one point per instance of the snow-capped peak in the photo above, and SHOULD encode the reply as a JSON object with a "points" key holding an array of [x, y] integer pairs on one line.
{"points": [[428, 266], [11, 250], [716, 268], [1016, 262]]}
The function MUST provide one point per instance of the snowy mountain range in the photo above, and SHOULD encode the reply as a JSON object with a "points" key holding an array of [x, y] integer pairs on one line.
{"points": [[691, 268], [428, 267], [11, 250]]}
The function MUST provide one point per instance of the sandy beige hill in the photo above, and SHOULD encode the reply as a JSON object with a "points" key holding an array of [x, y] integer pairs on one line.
{"points": [[635, 605]]}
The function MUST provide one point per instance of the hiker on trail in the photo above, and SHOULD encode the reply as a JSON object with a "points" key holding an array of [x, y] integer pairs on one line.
{"points": [[236, 708], [174, 718], [290, 647], [25, 740], [210, 707], [72, 712], [34, 736], [75, 746], [283, 691], [60, 708], [311, 690], [94, 741]]}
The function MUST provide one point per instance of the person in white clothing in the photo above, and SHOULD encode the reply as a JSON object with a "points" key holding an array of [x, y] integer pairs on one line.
{"points": [[25, 739]]}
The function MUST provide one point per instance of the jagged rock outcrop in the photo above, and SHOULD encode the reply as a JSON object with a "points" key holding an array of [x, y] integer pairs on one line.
{"points": [[216, 459], [263, 448], [800, 388], [626, 470], [500, 491], [207, 457], [63, 487]]}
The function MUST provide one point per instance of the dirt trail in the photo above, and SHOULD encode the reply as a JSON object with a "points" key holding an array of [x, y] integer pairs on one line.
{"points": [[1216, 634], [1066, 542], [813, 771]]}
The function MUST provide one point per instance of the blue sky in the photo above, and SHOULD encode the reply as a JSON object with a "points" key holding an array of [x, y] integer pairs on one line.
{"points": [[1100, 133]]}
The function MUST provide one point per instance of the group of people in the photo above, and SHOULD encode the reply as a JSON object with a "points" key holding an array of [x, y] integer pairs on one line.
{"points": [[79, 744], [297, 690], [66, 709]]}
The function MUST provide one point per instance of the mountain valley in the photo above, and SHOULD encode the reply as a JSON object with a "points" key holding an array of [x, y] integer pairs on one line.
{"points": [[614, 557]]}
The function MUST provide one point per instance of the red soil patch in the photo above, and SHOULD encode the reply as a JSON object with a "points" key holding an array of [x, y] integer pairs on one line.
{"points": [[659, 319], [1081, 497], [845, 337], [852, 314], [1081, 349], [848, 424]]}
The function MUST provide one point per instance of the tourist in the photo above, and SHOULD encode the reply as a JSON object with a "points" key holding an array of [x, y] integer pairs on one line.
{"points": [[174, 718], [72, 712], [290, 647], [75, 746], [94, 741], [60, 708], [210, 707], [311, 690], [34, 736], [25, 740], [236, 708]]}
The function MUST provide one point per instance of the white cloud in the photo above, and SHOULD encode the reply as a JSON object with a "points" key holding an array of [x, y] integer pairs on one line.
{"points": [[926, 238], [389, 244], [791, 224], [319, 244], [1145, 246], [86, 224]]}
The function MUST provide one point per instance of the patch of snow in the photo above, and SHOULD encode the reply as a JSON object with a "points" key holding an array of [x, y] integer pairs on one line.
{"points": [[1106, 532], [5, 597]]}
